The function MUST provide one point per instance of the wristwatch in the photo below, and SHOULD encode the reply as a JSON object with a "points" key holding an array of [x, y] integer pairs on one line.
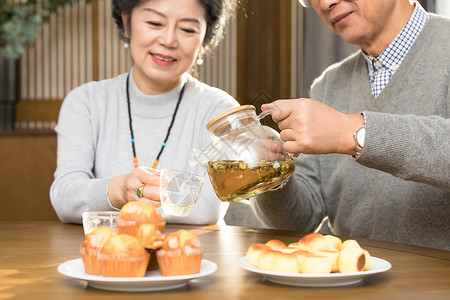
{"points": [[359, 137]]}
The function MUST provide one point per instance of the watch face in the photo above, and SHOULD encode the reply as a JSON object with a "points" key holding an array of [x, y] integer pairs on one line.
{"points": [[361, 136]]}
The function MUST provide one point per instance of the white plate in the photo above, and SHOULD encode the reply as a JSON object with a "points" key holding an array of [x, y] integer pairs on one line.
{"points": [[153, 280], [378, 265]]}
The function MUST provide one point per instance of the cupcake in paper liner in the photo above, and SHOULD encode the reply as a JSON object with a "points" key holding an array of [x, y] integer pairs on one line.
{"points": [[135, 213], [123, 256], [152, 240], [91, 246], [180, 254]]}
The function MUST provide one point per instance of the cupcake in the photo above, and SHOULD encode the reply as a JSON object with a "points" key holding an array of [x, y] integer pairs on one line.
{"points": [[149, 236], [91, 246], [152, 240], [123, 256], [180, 254], [134, 214]]}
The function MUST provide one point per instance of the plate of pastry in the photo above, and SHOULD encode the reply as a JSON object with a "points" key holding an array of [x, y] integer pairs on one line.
{"points": [[378, 265], [314, 261], [153, 280], [137, 256]]}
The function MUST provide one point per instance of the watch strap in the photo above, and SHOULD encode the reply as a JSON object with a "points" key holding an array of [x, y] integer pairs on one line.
{"points": [[358, 147]]}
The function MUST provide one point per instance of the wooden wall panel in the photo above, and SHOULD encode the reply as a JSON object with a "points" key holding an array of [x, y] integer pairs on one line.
{"points": [[264, 52], [220, 66], [81, 44], [26, 170]]}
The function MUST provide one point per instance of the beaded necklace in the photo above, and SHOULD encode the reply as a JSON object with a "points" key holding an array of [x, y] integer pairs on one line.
{"points": [[155, 163]]}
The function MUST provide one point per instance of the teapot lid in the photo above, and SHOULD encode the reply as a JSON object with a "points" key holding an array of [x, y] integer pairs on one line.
{"points": [[227, 113]]}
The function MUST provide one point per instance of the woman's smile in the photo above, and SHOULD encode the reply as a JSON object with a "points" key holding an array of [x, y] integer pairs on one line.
{"points": [[163, 60]]}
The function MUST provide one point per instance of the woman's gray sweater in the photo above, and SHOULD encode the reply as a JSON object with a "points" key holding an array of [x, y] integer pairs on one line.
{"points": [[94, 142]]}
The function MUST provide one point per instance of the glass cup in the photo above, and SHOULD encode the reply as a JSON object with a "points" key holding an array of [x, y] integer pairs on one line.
{"points": [[95, 219], [179, 191]]}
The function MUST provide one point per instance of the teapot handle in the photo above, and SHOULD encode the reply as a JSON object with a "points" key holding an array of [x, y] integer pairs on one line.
{"points": [[294, 155], [279, 186], [264, 114]]}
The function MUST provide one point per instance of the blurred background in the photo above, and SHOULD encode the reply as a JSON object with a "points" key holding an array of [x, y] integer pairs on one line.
{"points": [[272, 50]]}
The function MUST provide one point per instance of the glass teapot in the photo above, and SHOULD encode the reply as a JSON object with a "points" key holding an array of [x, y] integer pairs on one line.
{"points": [[245, 158]]}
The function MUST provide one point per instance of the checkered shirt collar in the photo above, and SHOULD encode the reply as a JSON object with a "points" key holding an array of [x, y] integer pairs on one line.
{"points": [[394, 54]]}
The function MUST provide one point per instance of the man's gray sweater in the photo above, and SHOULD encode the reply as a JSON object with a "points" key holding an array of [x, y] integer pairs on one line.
{"points": [[399, 188]]}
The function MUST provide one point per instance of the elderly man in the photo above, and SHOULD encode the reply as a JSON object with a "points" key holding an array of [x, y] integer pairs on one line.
{"points": [[381, 120]]}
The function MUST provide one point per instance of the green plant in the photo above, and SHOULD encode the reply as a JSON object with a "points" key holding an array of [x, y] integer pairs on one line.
{"points": [[19, 20]]}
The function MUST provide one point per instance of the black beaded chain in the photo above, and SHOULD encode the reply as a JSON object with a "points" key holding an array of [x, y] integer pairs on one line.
{"points": [[155, 163]]}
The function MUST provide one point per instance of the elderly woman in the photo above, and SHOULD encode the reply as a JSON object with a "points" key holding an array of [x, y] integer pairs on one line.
{"points": [[114, 134]]}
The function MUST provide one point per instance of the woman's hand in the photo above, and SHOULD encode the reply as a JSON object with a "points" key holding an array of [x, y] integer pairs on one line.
{"points": [[124, 188], [311, 127]]}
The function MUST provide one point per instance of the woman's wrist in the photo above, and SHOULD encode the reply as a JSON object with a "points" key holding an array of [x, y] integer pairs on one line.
{"points": [[115, 191]]}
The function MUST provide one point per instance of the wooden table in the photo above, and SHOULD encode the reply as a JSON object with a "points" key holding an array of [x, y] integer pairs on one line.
{"points": [[31, 252]]}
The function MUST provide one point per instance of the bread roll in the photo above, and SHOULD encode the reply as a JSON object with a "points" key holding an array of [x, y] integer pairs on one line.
{"points": [[333, 256], [267, 260], [300, 254], [351, 259], [287, 263], [312, 242], [334, 243], [367, 258], [276, 244], [294, 245], [253, 253], [290, 250], [280, 246], [349, 243], [277, 261], [313, 264]]}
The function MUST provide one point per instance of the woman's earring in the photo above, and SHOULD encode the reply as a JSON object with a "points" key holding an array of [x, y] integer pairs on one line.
{"points": [[125, 45], [199, 60]]}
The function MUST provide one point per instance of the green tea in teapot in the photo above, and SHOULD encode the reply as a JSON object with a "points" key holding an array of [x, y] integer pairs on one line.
{"points": [[235, 180]]}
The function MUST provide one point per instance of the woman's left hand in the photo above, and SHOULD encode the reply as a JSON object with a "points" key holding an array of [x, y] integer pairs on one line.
{"points": [[141, 184]]}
